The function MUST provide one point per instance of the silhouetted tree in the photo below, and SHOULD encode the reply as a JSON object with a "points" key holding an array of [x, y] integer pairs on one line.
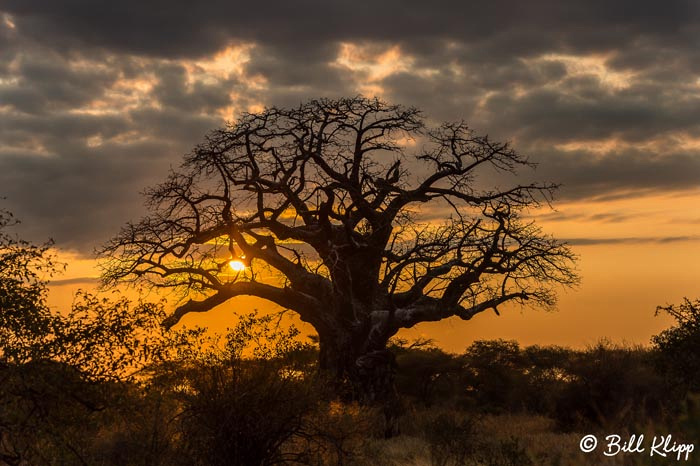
{"points": [[25, 318], [354, 215], [610, 386], [58, 369], [426, 372], [678, 346]]}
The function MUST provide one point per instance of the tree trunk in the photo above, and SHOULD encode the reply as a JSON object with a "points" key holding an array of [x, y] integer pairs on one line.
{"points": [[361, 375]]}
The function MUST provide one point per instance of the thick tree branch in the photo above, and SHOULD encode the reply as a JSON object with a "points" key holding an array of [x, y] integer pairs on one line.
{"points": [[305, 305]]}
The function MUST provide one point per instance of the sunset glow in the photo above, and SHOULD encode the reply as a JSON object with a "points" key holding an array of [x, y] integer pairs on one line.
{"points": [[237, 265]]}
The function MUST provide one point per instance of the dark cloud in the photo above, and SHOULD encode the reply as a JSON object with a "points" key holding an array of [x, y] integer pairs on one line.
{"points": [[175, 92], [98, 99], [610, 217], [640, 240], [620, 173], [583, 109], [290, 65], [48, 133], [48, 83], [180, 28], [173, 125], [76, 281], [81, 197], [604, 217]]}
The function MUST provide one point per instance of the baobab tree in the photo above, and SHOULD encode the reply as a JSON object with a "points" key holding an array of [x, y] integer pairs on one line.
{"points": [[353, 214]]}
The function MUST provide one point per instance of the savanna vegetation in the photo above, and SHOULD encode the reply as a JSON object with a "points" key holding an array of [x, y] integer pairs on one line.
{"points": [[104, 384]]}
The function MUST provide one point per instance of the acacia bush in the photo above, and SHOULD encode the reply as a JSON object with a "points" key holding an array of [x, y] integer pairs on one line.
{"points": [[58, 372], [494, 375], [236, 410], [241, 414], [499, 376], [58, 400], [548, 374], [87, 386]]}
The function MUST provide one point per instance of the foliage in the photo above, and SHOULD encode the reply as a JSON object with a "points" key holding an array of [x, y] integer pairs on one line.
{"points": [[605, 385], [107, 338], [677, 347], [200, 401], [265, 337], [499, 376], [24, 316], [100, 337], [611, 386], [241, 396], [241, 414], [494, 374], [548, 375], [63, 375], [688, 422], [426, 372]]}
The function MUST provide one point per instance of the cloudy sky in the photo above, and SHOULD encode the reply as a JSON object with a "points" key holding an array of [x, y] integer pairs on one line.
{"points": [[98, 99]]}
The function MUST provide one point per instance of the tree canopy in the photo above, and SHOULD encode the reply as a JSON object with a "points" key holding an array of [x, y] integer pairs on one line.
{"points": [[354, 214], [678, 345]]}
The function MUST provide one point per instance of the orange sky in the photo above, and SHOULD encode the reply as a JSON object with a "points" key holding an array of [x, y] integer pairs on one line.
{"points": [[607, 104], [626, 272]]}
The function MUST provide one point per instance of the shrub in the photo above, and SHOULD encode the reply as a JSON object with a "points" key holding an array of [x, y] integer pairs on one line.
{"points": [[677, 347], [451, 438], [494, 375], [427, 374], [611, 386]]}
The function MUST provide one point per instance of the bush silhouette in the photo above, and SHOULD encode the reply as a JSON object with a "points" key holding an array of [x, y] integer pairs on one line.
{"points": [[611, 386], [677, 347]]}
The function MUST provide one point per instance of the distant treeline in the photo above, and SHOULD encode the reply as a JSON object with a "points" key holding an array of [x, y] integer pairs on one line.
{"points": [[604, 385]]}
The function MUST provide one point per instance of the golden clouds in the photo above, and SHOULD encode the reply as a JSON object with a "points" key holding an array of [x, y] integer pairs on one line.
{"points": [[8, 22], [224, 64], [645, 218], [370, 64], [589, 65]]}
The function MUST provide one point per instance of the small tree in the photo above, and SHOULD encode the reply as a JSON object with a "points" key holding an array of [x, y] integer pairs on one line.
{"points": [[678, 346], [354, 215], [58, 370], [24, 316]]}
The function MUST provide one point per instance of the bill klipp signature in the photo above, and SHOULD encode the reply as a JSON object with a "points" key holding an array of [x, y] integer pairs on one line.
{"points": [[660, 445]]}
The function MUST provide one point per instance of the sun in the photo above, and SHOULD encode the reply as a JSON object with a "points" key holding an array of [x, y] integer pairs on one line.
{"points": [[236, 265]]}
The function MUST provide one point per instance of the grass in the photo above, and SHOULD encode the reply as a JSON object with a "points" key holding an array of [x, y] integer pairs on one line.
{"points": [[491, 440]]}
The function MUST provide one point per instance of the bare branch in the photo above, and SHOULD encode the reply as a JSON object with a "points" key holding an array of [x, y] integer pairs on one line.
{"points": [[318, 204]]}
